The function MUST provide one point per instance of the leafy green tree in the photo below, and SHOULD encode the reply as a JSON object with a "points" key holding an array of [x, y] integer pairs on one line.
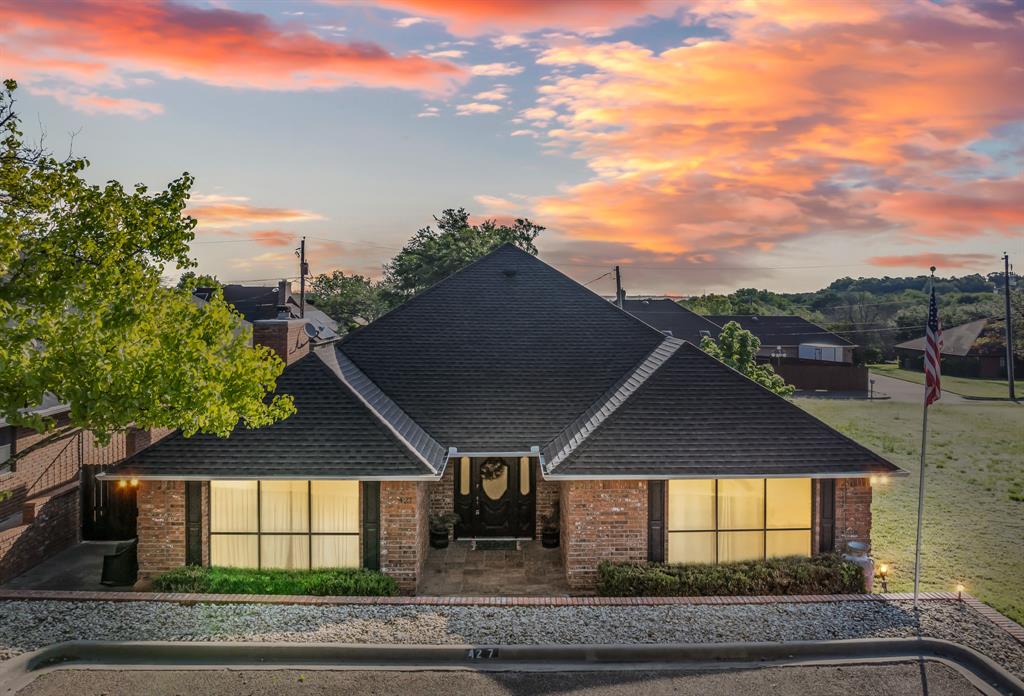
{"points": [[83, 314], [737, 348], [351, 300], [433, 255], [190, 280]]}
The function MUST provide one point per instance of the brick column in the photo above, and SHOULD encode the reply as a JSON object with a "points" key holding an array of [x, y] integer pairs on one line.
{"points": [[161, 526], [853, 512], [442, 492], [601, 521], [403, 530]]}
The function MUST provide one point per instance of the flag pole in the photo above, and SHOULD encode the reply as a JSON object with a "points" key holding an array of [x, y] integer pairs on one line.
{"points": [[920, 485]]}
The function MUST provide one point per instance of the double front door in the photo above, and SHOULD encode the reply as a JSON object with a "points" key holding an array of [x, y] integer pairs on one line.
{"points": [[495, 497]]}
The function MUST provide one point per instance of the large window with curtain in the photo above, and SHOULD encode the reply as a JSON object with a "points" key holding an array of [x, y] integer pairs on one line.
{"points": [[718, 521], [284, 524]]}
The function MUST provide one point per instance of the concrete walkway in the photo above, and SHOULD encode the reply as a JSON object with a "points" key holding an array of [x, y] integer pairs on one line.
{"points": [[76, 568], [532, 570]]}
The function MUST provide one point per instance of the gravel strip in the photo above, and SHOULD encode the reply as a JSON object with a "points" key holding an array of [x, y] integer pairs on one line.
{"points": [[30, 625]]}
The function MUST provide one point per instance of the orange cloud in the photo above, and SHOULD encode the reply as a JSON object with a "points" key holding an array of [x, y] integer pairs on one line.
{"points": [[941, 261], [788, 126], [92, 42], [225, 212], [470, 17], [93, 103]]}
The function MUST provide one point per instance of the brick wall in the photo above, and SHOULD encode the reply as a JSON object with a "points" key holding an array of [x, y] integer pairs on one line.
{"points": [[285, 336], [853, 511], [43, 470], [601, 520], [404, 537], [442, 492], [161, 526], [547, 496], [50, 525]]}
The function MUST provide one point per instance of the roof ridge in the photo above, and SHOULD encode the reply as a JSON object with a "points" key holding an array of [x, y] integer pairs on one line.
{"points": [[573, 435], [407, 431]]}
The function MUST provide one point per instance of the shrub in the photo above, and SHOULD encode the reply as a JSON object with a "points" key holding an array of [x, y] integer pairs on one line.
{"points": [[827, 574], [322, 582]]}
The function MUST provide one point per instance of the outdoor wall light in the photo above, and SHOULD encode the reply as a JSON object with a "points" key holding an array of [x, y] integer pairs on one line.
{"points": [[122, 484], [135, 483]]}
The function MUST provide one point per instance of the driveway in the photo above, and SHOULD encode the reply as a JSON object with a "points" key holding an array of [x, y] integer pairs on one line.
{"points": [[901, 390], [903, 679]]}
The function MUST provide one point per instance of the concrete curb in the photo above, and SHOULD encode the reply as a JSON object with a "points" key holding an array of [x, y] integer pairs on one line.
{"points": [[18, 672]]}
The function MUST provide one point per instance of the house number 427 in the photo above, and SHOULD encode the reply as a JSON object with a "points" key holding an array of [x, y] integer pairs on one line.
{"points": [[482, 653]]}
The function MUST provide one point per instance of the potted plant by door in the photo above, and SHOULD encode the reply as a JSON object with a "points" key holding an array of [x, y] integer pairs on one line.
{"points": [[549, 530], [440, 529]]}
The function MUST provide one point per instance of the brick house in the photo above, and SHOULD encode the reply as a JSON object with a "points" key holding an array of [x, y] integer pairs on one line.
{"points": [[504, 393], [49, 505]]}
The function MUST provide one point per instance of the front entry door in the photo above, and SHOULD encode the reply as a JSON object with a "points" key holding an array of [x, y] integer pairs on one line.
{"points": [[494, 497]]}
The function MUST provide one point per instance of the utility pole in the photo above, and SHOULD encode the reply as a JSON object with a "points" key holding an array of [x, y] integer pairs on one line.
{"points": [[618, 287], [1009, 326], [303, 270]]}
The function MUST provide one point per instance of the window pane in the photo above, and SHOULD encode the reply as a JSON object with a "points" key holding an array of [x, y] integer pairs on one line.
{"points": [[335, 506], [789, 503], [494, 488], [464, 476], [524, 476], [740, 546], [232, 506], [789, 543], [284, 551], [741, 504], [691, 547], [336, 551], [233, 550], [284, 506], [691, 504]]}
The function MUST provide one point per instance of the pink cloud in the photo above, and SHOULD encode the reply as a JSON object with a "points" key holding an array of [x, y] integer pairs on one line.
{"points": [[941, 261], [93, 103]]}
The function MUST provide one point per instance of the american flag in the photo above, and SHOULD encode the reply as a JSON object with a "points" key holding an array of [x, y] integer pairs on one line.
{"points": [[932, 353]]}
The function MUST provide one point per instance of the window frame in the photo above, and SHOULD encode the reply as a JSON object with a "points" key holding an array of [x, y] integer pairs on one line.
{"points": [[309, 533], [718, 530]]}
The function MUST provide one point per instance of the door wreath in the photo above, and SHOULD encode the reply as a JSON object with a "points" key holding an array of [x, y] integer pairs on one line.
{"points": [[491, 469]]}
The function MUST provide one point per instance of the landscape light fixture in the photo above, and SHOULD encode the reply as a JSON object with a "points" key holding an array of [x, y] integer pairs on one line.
{"points": [[960, 592], [883, 573]]}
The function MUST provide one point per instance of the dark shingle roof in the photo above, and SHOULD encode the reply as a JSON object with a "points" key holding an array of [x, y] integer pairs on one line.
{"points": [[782, 330], [257, 302], [332, 434], [958, 340], [695, 417], [669, 316], [502, 355]]}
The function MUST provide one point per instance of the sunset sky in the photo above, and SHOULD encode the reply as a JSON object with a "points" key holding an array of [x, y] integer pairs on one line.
{"points": [[704, 145]]}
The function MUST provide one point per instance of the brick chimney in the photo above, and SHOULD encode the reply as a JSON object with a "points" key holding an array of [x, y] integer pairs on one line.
{"points": [[285, 336]]}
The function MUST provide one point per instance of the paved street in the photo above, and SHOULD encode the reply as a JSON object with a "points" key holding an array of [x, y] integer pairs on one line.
{"points": [[904, 679]]}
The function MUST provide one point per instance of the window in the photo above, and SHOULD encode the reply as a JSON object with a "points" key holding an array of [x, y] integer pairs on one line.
{"points": [[717, 521], [284, 524], [6, 449]]}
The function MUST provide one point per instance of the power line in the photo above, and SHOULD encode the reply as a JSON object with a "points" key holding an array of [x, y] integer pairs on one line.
{"points": [[594, 280]]}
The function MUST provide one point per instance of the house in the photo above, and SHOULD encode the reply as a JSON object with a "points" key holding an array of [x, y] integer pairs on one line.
{"points": [[672, 319], [504, 393], [55, 499], [974, 349], [792, 337], [260, 302], [806, 355]]}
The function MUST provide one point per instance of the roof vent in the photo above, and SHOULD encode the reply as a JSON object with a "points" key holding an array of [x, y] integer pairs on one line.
{"points": [[509, 272]]}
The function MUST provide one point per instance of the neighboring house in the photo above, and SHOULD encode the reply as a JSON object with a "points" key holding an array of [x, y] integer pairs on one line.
{"points": [[255, 303], [974, 349], [504, 393], [792, 337], [672, 319], [55, 500]]}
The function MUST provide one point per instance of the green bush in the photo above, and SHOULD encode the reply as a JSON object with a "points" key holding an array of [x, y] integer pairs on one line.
{"points": [[827, 574], [323, 582]]}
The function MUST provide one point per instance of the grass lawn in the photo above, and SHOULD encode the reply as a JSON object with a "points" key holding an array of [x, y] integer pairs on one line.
{"points": [[974, 493], [964, 386]]}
